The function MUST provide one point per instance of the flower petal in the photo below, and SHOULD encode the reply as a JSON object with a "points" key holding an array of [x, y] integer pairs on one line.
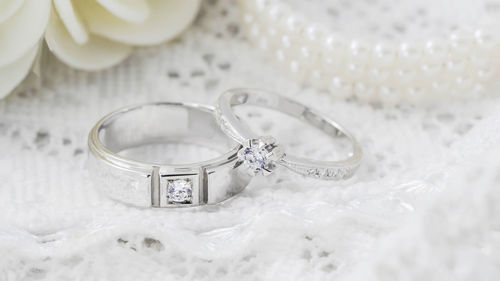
{"points": [[168, 19], [135, 11], [12, 74], [23, 30], [8, 8], [71, 20], [96, 54]]}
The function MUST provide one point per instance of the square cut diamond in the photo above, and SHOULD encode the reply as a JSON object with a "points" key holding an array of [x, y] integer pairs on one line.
{"points": [[180, 191]]}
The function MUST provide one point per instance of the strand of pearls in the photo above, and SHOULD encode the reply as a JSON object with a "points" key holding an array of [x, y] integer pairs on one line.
{"points": [[460, 66]]}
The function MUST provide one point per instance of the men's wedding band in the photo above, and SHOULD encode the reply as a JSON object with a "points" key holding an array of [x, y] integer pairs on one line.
{"points": [[143, 182]]}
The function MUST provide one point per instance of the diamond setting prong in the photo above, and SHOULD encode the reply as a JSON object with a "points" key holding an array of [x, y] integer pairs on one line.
{"points": [[260, 155]]}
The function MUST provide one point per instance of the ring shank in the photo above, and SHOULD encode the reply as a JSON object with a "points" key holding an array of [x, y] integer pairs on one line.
{"points": [[161, 123], [233, 127]]}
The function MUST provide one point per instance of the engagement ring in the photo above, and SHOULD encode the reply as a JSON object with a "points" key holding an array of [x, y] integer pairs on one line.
{"points": [[261, 155]]}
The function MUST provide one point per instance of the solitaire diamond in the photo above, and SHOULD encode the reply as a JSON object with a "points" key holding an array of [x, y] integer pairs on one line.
{"points": [[179, 191], [255, 158], [260, 155]]}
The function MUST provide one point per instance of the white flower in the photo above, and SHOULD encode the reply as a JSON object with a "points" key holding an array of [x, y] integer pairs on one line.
{"points": [[85, 34], [22, 23]]}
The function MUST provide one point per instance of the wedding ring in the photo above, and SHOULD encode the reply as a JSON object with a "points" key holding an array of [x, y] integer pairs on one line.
{"points": [[134, 156], [261, 155]]}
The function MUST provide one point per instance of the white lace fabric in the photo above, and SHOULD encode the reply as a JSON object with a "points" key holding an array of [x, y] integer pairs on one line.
{"points": [[424, 203]]}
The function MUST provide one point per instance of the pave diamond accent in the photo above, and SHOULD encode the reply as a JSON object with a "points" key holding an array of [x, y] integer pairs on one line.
{"points": [[324, 173], [179, 191]]}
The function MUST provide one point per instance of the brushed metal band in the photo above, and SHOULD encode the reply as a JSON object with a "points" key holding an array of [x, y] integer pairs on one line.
{"points": [[150, 180], [263, 154]]}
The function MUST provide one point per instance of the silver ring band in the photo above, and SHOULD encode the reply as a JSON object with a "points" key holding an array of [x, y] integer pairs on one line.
{"points": [[147, 179], [263, 154]]}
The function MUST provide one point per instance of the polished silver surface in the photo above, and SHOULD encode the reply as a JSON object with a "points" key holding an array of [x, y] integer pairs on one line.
{"points": [[132, 160], [261, 154]]}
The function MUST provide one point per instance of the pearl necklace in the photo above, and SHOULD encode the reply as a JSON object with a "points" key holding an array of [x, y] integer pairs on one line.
{"points": [[461, 66]]}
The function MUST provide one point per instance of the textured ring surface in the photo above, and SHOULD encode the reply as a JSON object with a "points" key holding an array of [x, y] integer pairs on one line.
{"points": [[141, 182]]}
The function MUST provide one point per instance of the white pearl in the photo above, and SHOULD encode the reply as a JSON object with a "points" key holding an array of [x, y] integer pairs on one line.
{"points": [[461, 43], [286, 41], [431, 69], [463, 82], [308, 58], [456, 65], [331, 66], [273, 38], [277, 13], [283, 61], [485, 40], [306, 53], [477, 91], [334, 53], [384, 54], [378, 75], [436, 51], [440, 88], [355, 71], [334, 43], [359, 51], [340, 88], [403, 76], [409, 54], [297, 70], [318, 79], [364, 92], [389, 95], [299, 51], [280, 56], [416, 95], [315, 33], [486, 74], [294, 25], [479, 59], [335, 48]]}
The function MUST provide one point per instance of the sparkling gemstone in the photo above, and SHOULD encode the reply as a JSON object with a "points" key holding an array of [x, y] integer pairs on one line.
{"points": [[180, 191], [255, 158]]}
